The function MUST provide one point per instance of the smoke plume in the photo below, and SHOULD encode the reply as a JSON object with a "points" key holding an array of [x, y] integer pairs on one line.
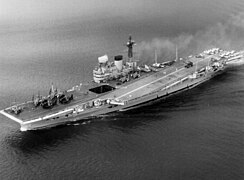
{"points": [[226, 35]]}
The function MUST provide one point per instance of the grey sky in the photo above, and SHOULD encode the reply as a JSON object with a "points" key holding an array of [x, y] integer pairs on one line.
{"points": [[12, 10], [42, 9], [38, 10]]}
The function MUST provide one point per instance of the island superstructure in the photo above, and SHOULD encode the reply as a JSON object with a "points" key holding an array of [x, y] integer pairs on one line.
{"points": [[120, 85]]}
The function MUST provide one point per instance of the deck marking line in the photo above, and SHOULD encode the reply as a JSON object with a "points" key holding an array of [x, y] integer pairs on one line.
{"points": [[11, 117], [49, 116]]}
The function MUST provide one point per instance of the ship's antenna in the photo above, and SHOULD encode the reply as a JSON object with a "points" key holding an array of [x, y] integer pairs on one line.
{"points": [[196, 67], [156, 57], [52, 87], [176, 53], [130, 44]]}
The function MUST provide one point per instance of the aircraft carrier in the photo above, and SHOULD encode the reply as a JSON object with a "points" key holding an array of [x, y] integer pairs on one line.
{"points": [[121, 85]]}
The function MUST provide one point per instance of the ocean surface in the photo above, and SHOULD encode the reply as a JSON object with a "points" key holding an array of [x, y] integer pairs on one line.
{"points": [[198, 134]]}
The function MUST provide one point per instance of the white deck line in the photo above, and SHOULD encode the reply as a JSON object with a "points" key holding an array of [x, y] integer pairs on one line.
{"points": [[34, 120], [11, 117], [177, 82], [60, 112], [49, 116], [149, 83]]}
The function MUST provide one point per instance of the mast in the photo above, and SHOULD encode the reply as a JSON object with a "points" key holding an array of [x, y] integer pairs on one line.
{"points": [[130, 45], [196, 67], [156, 57], [52, 88], [176, 53], [51, 91]]}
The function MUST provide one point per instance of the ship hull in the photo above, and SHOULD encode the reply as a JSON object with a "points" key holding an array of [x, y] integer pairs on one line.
{"points": [[161, 94]]}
